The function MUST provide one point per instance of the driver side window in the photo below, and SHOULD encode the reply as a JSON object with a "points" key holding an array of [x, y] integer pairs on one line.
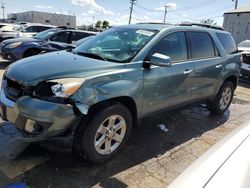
{"points": [[173, 45]]}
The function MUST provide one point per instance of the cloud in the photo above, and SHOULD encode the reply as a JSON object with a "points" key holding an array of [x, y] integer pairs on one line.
{"points": [[171, 6], [93, 6], [43, 7], [123, 20]]}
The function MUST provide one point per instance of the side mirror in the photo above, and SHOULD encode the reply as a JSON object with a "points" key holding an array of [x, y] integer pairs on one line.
{"points": [[160, 60]]}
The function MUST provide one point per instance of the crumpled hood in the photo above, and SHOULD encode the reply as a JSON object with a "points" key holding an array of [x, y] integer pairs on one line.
{"points": [[30, 71], [8, 41]]}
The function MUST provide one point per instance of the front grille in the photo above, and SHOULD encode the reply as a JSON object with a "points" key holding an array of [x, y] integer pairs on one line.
{"points": [[13, 90]]}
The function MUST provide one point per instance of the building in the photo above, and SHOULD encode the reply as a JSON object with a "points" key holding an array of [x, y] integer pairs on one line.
{"points": [[238, 23], [44, 18]]}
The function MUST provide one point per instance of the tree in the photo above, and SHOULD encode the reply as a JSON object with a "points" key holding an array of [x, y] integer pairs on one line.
{"points": [[209, 21], [98, 24], [105, 24]]}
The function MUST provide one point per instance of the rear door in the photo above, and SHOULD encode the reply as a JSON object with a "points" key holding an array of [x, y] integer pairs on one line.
{"points": [[208, 64]]}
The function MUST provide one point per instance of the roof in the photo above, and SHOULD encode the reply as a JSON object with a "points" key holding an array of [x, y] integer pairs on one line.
{"points": [[245, 9], [163, 26]]}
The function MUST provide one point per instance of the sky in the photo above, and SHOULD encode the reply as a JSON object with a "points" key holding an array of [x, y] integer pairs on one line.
{"points": [[117, 11]]}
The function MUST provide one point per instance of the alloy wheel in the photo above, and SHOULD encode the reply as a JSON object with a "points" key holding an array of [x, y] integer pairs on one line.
{"points": [[110, 134]]}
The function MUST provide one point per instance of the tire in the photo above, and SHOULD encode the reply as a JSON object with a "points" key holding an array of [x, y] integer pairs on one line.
{"points": [[103, 128], [223, 99], [31, 52]]}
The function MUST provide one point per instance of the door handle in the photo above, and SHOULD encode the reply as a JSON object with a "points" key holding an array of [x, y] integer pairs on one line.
{"points": [[187, 71], [218, 66]]}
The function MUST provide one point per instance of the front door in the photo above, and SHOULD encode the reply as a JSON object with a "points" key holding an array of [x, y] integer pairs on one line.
{"points": [[168, 86]]}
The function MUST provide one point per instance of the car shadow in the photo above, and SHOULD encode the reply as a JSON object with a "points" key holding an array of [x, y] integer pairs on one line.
{"points": [[244, 83], [4, 64], [146, 142]]}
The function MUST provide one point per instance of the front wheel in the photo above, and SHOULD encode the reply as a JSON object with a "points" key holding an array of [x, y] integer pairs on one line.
{"points": [[104, 135], [223, 99]]}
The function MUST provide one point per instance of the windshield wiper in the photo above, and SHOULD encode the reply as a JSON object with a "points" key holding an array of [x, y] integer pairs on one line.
{"points": [[91, 55]]}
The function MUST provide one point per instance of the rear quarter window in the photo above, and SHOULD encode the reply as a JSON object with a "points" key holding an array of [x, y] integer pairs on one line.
{"points": [[227, 42]]}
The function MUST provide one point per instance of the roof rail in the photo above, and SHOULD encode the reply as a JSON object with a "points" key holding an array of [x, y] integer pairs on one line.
{"points": [[160, 23], [201, 25]]}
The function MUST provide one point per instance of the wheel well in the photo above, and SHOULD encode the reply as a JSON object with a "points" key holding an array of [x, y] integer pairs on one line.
{"points": [[25, 53], [126, 101], [233, 79]]}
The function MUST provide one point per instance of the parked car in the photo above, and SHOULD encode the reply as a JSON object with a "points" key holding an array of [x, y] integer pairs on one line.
{"points": [[30, 30], [52, 46], [226, 164], [94, 95], [9, 31], [244, 48], [18, 48]]}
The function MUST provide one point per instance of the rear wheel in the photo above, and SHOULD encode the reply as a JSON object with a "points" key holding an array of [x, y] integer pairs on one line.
{"points": [[31, 52], [223, 99], [105, 134]]}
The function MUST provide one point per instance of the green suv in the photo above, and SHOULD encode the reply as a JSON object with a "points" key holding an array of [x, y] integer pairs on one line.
{"points": [[94, 95]]}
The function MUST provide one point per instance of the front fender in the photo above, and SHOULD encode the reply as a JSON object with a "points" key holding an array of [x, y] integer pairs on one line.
{"points": [[106, 87]]}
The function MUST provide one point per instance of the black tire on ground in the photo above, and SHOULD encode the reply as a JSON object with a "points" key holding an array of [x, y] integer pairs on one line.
{"points": [[215, 106], [31, 52], [86, 133]]}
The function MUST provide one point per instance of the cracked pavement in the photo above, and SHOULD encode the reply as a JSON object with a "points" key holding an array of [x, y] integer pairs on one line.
{"points": [[152, 157]]}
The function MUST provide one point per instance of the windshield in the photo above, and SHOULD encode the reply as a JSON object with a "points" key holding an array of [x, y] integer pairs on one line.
{"points": [[116, 44], [245, 44], [44, 35]]}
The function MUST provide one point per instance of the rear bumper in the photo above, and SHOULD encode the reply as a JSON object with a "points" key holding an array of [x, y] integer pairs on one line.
{"points": [[46, 119]]}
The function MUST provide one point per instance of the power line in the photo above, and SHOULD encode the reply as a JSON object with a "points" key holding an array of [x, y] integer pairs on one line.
{"points": [[131, 10]]}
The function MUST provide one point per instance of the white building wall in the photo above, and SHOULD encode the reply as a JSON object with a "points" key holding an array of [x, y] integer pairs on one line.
{"points": [[238, 24], [45, 18]]}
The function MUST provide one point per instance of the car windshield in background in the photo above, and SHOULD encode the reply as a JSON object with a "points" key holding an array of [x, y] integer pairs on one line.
{"points": [[244, 44], [117, 44], [44, 35]]}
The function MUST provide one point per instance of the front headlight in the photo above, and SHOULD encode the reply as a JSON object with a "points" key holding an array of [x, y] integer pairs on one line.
{"points": [[14, 45], [62, 88]]}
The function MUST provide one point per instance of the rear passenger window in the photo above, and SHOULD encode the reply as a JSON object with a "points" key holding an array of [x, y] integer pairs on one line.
{"points": [[78, 35], [201, 45], [43, 28], [31, 29], [173, 45], [61, 37], [227, 42]]}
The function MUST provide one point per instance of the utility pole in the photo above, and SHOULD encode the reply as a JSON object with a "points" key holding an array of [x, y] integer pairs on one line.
{"points": [[165, 13], [131, 10], [236, 4], [3, 7]]}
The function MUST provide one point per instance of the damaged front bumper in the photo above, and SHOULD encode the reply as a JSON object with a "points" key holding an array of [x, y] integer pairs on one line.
{"points": [[38, 119]]}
